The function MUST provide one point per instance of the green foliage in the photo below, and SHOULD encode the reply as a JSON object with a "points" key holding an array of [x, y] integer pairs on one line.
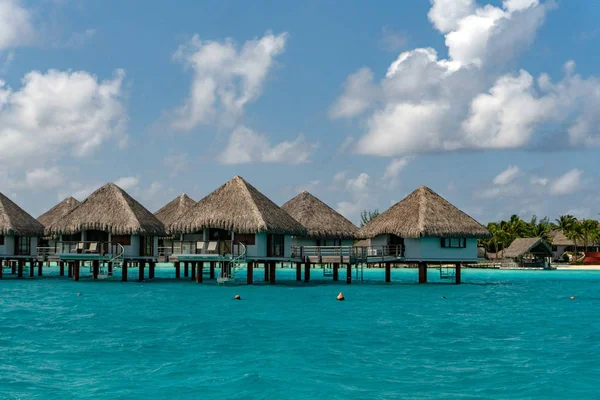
{"points": [[367, 215]]}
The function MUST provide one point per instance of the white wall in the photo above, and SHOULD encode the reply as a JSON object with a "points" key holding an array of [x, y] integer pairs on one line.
{"points": [[379, 240], [287, 246], [431, 250], [134, 249], [33, 246], [412, 248], [9, 246]]}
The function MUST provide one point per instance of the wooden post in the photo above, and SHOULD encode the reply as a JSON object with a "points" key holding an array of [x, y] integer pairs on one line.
{"points": [[349, 273], [95, 269], [151, 268], [211, 272], [1, 266], [177, 269], [193, 270], [422, 272], [457, 274], [61, 265], [20, 265], [70, 269], [141, 264], [124, 271], [13, 267], [272, 272], [307, 272], [40, 265], [110, 268], [76, 271], [388, 272], [336, 267], [298, 271], [250, 277], [267, 275], [185, 269], [199, 272], [31, 267]]}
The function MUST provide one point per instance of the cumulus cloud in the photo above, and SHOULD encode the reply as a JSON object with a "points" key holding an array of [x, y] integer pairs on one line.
{"points": [[507, 176], [16, 27], [225, 78], [246, 146], [127, 182], [58, 112], [472, 99], [567, 183], [44, 178]]}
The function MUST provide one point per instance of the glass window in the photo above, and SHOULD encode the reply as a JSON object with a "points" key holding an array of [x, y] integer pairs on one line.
{"points": [[456, 243], [22, 245]]}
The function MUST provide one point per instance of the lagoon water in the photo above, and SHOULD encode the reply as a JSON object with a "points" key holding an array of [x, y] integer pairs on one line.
{"points": [[501, 335]]}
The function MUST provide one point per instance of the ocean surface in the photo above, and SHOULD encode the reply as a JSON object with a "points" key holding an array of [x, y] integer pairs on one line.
{"points": [[500, 335]]}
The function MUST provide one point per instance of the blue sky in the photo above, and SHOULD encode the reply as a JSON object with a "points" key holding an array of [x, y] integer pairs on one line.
{"points": [[491, 104]]}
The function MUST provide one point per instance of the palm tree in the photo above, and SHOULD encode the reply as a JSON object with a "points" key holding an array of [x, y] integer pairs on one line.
{"points": [[589, 231], [565, 222], [575, 233]]}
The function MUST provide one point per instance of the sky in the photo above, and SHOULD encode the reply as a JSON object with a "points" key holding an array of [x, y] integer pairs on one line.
{"points": [[492, 104]]}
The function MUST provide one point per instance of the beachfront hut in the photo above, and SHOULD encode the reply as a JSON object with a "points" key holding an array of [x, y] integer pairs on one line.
{"points": [[423, 228], [238, 213], [19, 231], [324, 225], [169, 214], [561, 244], [108, 217], [530, 252], [52, 216]]}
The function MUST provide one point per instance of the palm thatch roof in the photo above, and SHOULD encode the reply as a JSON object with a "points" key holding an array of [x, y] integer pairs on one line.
{"points": [[558, 238], [239, 207], [424, 213], [54, 214], [110, 209], [521, 246], [320, 220], [363, 243], [15, 221], [171, 212]]}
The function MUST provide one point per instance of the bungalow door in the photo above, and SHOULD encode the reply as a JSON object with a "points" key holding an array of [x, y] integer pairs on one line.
{"points": [[22, 245], [275, 244], [146, 246], [396, 246]]}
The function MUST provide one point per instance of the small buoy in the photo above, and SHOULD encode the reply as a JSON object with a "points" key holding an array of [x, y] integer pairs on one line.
{"points": [[572, 298], [237, 297], [443, 297], [78, 294], [340, 297]]}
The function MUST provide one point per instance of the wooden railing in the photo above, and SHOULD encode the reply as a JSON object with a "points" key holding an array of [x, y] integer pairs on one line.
{"points": [[86, 247], [186, 247], [344, 252]]}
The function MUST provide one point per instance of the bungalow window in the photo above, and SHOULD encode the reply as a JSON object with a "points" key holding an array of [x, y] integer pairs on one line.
{"points": [[22, 245], [248, 239], [455, 243]]}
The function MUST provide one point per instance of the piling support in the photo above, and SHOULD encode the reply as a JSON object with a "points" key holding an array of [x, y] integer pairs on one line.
{"points": [[20, 266], [211, 271], [422, 272], [307, 272], [95, 269], [151, 268], [40, 265], [267, 274], [1, 267], [336, 267], [142, 265], [272, 272], [31, 267], [110, 268], [124, 271], [70, 269], [186, 269], [76, 267], [177, 269], [250, 273], [348, 273], [388, 272], [199, 266], [61, 265], [13, 267], [298, 271], [193, 277], [457, 274]]}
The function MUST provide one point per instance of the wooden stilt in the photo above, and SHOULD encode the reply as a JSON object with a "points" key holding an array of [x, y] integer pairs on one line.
{"points": [[151, 268], [1, 267], [13, 267], [40, 265], [250, 272], [457, 274], [422, 272], [95, 269], [110, 268], [124, 271], [348, 273], [388, 272], [307, 272], [298, 271], [336, 267], [177, 269], [272, 272], [193, 271], [61, 265], [267, 275], [199, 272], [142, 265], [185, 269], [20, 266], [211, 271], [76, 267], [70, 269], [31, 267]]}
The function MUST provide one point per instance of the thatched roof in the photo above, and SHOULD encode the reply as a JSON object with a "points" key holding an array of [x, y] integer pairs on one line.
{"points": [[320, 220], [424, 213], [54, 214], [363, 243], [15, 221], [172, 211], [558, 238], [110, 209], [521, 246], [239, 207]]}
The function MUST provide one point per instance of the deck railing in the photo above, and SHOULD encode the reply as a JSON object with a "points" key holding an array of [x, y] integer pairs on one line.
{"points": [[355, 253], [87, 247], [221, 247]]}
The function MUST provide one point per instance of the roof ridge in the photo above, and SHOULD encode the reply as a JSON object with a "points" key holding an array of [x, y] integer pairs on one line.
{"points": [[422, 209], [123, 199], [253, 204]]}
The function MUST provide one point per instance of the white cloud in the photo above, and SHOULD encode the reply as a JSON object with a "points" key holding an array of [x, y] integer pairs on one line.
{"points": [[246, 146], [16, 28], [499, 192], [8, 60], [392, 40], [536, 180], [358, 184], [57, 112], [507, 176], [359, 92], [127, 183], [445, 14], [42, 178], [568, 183], [339, 176], [225, 79], [393, 169], [346, 144]]}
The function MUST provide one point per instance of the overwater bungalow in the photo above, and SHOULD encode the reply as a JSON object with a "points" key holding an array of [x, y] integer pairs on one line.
{"points": [[110, 227], [168, 215], [48, 244], [423, 228], [530, 252], [19, 233], [236, 224]]}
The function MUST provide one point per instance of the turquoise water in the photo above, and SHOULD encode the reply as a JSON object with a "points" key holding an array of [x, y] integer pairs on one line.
{"points": [[502, 335]]}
